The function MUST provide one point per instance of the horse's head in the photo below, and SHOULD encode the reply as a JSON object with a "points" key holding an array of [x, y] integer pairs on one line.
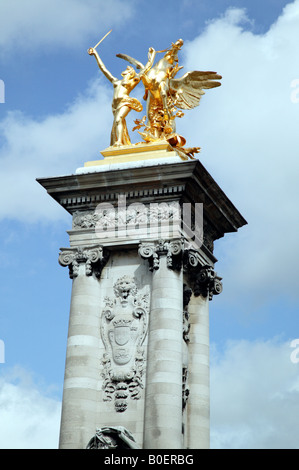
{"points": [[172, 54]]}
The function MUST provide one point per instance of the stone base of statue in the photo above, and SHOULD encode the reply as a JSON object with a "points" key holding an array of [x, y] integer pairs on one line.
{"points": [[142, 267]]}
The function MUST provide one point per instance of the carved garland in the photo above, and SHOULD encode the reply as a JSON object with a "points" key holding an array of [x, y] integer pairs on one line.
{"points": [[133, 215]]}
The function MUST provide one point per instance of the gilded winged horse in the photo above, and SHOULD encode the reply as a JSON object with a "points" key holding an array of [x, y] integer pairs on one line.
{"points": [[165, 94]]}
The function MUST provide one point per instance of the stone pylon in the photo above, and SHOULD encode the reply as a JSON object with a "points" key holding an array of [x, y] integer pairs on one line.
{"points": [[142, 267]]}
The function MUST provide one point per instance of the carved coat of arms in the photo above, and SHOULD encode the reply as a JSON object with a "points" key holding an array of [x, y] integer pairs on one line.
{"points": [[124, 324]]}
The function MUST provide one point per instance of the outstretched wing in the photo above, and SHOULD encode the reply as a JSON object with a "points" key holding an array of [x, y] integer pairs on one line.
{"points": [[132, 61], [187, 90]]}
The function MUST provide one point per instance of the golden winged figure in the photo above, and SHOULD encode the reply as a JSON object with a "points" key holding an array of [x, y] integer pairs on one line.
{"points": [[165, 95]]}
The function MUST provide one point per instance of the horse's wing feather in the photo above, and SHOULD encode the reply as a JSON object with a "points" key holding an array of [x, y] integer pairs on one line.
{"points": [[188, 90]]}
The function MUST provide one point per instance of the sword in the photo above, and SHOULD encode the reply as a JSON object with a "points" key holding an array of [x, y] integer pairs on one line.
{"points": [[102, 39]]}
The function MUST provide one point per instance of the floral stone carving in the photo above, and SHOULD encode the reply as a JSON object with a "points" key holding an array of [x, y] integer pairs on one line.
{"points": [[124, 324]]}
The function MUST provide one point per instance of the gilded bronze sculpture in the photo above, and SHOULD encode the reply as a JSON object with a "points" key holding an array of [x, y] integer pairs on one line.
{"points": [[165, 97], [122, 103]]}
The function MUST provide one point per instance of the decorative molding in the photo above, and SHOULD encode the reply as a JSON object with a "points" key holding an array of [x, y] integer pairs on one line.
{"points": [[173, 250], [147, 250], [187, 293], [134, 214], [209, 235], [203, 278], [78, 201], [83, 220], [124, 324], [207, 283], [185, 387], [94, 258], [191, 260]]}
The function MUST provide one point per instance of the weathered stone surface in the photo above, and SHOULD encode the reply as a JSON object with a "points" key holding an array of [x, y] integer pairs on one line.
{"points": [[138, 341]]}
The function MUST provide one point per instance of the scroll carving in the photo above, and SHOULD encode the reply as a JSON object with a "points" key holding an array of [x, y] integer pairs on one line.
{"points": [[124, 324], [203, 278], [153, 250], [94, 258], [207, 283]]}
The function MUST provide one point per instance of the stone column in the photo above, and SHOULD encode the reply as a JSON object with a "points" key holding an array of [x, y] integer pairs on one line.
{"points": [[82, 374], [206, 283], [163, 394], [198, 408]]}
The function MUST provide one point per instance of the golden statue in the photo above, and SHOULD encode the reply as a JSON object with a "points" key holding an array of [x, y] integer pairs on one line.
{"points": [[122, 103], [156, 82], [165, 97]]}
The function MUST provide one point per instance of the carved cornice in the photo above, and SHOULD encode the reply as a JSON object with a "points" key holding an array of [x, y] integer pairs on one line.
{"points": [[79, 202], [94, 258], [156, 182]]}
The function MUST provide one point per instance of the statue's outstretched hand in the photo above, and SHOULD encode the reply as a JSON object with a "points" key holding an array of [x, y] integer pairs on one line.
{"points": [[91, 51]]}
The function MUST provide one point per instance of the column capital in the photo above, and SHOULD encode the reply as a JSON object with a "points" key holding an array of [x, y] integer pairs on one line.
{"points": [[93, 257], [203, 278], [172, 249], [206, 282]]}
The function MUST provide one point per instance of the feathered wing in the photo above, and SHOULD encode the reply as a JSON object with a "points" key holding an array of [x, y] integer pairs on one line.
{"points": [[131, 60], [187, 91]]}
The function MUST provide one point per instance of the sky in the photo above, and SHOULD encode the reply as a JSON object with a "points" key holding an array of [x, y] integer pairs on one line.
{"points": [[55, 114]]}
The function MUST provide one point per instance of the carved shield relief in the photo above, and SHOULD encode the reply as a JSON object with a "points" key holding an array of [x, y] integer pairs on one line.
{"points": [[124, 323]]}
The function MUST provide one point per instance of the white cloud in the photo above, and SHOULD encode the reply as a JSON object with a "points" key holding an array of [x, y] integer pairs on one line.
{"points": [[29, 419], [34, 24], [254, 396], [50, 147], [248, 131]]}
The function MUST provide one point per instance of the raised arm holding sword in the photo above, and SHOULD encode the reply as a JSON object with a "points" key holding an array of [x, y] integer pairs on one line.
{"points": [[122, 103]]}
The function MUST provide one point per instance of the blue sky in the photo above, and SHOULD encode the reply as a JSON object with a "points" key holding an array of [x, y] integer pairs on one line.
{"points": [[57, 115]]}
